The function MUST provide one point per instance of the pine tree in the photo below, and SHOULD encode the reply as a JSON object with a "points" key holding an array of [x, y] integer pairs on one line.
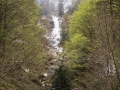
{"points": [[61, 79], [60, 8]]}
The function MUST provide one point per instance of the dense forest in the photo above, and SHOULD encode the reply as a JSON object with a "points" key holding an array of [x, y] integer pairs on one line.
{"points": [[22, 44], [92, 45], [90, 38]]}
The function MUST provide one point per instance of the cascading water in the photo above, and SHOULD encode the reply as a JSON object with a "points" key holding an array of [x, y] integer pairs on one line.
{"points": [[55, 35]]}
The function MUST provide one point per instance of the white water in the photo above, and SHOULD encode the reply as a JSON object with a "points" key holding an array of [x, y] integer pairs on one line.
{"points": [[54, 38], [55, 35], [56, 31]]}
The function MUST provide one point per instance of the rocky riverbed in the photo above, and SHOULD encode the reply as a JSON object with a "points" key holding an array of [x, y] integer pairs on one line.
{"points": [[54, 37]]}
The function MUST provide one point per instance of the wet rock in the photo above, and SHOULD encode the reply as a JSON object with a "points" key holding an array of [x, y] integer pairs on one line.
{"points": [[54, 67], [27, 70], [58, 39], [42, 82], [45, 74], [35, 80], [54, 60], [51, 63]]}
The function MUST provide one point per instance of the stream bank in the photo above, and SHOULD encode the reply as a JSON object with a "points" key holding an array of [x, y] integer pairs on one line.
{"points": [[54, 38]]}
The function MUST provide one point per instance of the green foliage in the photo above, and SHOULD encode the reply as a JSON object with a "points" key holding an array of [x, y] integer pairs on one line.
{"points": [[61, 80], [81, 20], [92, 50], [81, 30], [21, 39], [76, 46], [7, 85], [79, 46], [64, 28]]}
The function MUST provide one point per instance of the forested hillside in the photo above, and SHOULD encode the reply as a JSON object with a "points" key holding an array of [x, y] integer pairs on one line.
{"points": [[22, 44], [92, 47], [55, 45]]}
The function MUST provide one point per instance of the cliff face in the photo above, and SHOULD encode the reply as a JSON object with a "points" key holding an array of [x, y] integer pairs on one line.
{"points": [[54, 6]]}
